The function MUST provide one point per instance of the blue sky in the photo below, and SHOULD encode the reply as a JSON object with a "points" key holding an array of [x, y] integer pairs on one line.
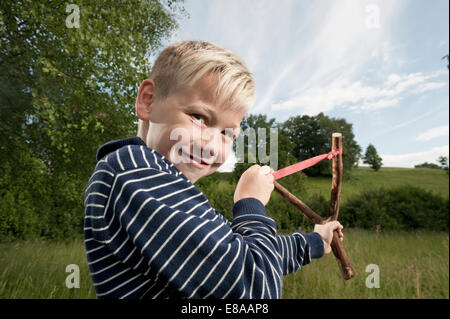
{"points": [[376, 64]]}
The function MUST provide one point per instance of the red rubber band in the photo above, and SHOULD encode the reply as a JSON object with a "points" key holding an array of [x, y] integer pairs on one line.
{"points": [[304, 164]]}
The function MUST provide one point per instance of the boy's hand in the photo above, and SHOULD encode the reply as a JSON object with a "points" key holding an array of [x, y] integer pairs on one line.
{"points": [[326, 232], [256, 182]]}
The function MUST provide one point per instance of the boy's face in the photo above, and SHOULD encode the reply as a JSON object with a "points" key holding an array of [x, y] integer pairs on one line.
{"points": [[189, 127]]}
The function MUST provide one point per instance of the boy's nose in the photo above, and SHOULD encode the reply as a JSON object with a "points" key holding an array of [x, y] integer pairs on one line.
{"points": [[209, 151], [210, 144]]}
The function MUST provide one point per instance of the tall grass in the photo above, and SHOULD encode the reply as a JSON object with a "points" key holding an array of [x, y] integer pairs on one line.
{"points": [[412, 265], [37, 269]]}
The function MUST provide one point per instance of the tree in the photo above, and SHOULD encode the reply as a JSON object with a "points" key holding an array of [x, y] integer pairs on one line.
{"points": [[446, 57], [76, 86], [259, 124], [443, 164], [427, 165], [311, 136], [371, 157], [69, 75], [443, 160]]}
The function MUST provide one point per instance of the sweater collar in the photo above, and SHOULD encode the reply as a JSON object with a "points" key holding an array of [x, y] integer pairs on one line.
{"points": [[114, 145]]}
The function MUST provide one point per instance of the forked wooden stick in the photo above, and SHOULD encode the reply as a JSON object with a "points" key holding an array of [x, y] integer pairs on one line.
{"points": [[336, 245], [336, 185]]}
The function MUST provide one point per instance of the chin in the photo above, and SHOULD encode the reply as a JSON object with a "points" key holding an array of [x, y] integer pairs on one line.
{"points": [[198, 176]]}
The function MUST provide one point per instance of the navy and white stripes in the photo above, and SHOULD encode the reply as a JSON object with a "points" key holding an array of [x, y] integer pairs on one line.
{"points": [[150, 233]]}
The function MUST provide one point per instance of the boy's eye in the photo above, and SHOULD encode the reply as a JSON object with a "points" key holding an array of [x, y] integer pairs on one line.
{"points": [[198, 118]]}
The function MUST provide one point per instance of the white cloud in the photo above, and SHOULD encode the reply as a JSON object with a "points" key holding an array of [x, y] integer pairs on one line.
{"points": [[380, 104], [358, 96], [408, 122], [393, 79], [411, 159], [342, 45], [433, 133], [431, 86]]}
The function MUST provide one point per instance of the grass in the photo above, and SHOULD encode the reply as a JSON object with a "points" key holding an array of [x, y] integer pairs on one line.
{"points": [[412, 265], [37, 269], [364, 178]]}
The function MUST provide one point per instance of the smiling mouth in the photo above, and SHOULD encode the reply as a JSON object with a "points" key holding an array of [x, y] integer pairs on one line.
{"points": [[196, 162]]}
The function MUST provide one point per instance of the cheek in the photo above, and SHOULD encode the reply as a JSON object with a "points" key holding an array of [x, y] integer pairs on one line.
{"points": [[166, 138], [225, 151]]}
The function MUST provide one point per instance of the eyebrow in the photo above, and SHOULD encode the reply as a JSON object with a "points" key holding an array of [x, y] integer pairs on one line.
{"points": [[212, 112]]}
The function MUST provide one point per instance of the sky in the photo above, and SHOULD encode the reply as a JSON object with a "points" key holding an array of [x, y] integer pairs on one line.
{"points": [[377, 64]]}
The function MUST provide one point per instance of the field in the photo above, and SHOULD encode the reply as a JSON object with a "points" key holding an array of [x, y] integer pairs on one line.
{"points": [[366, 178], [411, 264]]}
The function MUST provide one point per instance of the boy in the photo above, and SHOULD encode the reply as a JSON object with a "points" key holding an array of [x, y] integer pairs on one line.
{"points": [[149, 232]]}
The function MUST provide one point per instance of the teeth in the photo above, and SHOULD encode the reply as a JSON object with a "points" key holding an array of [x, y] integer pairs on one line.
{"points": [[202, 162], [197, 161]]}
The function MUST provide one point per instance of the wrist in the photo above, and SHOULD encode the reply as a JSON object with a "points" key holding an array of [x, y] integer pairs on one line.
{"points": [[316, 244]]}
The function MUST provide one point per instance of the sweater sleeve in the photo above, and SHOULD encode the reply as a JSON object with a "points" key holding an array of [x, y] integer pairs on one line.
{"points": [[298, 249], [198, 257]]}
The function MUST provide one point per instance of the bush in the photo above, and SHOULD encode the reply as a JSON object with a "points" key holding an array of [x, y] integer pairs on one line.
{"points": [[405, 207], [219, 189], [427, 165], [35, 203]]}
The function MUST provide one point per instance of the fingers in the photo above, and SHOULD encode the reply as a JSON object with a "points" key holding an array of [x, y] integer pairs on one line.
{"points": [[340, 234], [338, 229], [336, 226], [265, 170]]}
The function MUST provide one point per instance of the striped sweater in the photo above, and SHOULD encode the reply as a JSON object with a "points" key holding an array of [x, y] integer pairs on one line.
{"points": [[150, 233]]}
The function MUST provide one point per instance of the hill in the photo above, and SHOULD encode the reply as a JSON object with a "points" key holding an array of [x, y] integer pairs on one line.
{"points": [[364, 178]]}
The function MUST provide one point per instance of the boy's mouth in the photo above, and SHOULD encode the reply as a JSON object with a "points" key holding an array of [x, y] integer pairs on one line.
{"points": [[198, 162]]}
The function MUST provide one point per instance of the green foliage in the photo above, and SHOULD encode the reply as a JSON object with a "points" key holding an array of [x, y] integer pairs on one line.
{"points": [[284, 214], [311, 136], [78, 83], [64, 92], [443, 161], [399, 207], [427, 165], [412, 265], [35, 202], [219, 189], [406, 207], [446, 57], [259, 123], [300, 138], [371, 157]]}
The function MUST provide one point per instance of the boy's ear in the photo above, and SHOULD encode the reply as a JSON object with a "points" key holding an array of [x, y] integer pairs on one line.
{"points": [[145, 98]]}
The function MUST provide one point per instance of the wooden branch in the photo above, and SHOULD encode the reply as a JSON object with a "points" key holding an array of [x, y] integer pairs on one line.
{"points": [[297, 203], [336, 245], [336, 183]]}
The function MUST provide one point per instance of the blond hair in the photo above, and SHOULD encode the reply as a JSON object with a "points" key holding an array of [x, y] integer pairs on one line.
{"points": [[186, 62]]}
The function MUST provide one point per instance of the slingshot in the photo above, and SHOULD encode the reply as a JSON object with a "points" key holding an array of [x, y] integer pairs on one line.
{"points": [[336, 156]]}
